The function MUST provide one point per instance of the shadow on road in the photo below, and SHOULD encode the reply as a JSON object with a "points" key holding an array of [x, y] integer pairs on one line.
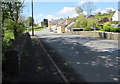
{"points": [[84, 63]]}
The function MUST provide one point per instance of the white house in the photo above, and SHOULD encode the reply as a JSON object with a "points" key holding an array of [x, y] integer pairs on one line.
{"points": [[116, 16]]}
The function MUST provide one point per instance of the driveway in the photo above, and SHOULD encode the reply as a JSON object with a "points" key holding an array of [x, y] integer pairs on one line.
{"points": [[95, 59]]}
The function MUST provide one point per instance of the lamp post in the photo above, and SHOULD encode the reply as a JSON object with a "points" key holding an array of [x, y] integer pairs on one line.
{"points": [[32, 20]]}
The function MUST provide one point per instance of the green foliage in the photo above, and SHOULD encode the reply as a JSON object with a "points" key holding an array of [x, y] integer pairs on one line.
{"points": [[77, 24], [104, 15], [88, 29], [7, 40], [11, 25], [81, 22], [29, 21], [115, 22], [79, 10], [109, 28], [36, 28], [91, 21], [10, 16], [99, 13], [117, 29], [100, 26]]}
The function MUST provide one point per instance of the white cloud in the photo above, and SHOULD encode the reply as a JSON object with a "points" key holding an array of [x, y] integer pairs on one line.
{"points": [[84, 12], [82, 2], [50, 17], [70, 0], [110, 9], [39, 15], [66, 10], [69, 11], [99, 10], [74, 15], [103, 11]]}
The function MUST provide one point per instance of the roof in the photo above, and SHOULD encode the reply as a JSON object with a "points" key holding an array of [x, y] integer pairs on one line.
{"points": [[89, 16], [58, 22], [70, 25]]}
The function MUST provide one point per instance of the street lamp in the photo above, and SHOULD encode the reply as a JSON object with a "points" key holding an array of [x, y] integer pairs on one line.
{"points": [[32, 20]]}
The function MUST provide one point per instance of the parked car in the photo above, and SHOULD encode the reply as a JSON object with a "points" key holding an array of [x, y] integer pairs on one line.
{"points": [[51, 30], [55, 30], [116, 25]]}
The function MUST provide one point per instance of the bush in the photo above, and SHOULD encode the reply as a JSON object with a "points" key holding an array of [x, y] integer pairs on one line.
{"points": [[11, 25], [77, 24], [81, 22], [109, 28], [88, 29], [91, 21], [39, 27], [117, 29], [100, 26], [7, 40], [115, 22]]}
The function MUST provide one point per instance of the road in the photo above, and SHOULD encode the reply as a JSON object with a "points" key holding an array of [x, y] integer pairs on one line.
{"points": [[95, 59]]}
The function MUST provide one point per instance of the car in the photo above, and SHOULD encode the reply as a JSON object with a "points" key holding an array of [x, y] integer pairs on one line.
{"points": [[50, 30], [55, 30], [116, 25]]}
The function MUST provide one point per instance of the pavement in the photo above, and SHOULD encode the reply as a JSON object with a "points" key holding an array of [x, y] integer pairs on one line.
{"points": [[36, 66], [94, 59]]}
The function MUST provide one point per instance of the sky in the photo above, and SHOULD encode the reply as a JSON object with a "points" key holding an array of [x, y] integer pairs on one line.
{"points": [[56, 10]]}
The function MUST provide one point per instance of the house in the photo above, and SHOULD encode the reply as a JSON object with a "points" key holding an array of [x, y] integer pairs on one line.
{"points": [[43, 23], [60, 24], [89, 16], [68, 27], [116, 16], [40, 24], [105, 19]]}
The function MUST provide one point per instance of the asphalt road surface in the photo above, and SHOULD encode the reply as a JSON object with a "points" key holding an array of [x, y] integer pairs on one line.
{"points": [[95, 59]]}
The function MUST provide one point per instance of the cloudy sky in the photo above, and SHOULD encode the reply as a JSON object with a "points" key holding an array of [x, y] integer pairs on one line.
{"points": [[63, 9]]}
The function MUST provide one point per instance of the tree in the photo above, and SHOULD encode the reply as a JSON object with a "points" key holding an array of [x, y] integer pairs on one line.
{"points": [[99, 13], [91, 22], [81, 22], [29, 21], [79, 10], [88, 7], [11, 11], [109, 11]]}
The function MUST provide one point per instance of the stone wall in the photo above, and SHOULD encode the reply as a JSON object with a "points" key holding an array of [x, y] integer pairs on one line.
{"points": [[12, 58], [101, 34]]}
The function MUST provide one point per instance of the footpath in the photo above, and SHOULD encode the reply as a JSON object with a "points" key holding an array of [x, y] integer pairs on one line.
{"points": [[36, 66]]}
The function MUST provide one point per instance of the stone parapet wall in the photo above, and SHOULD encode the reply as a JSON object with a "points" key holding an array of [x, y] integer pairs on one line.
{"points": [[101, 34]]}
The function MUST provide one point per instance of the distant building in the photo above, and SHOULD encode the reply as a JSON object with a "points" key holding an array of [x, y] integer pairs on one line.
{"points": [[105, 19], [116, 16], [44, 23], [60, 24], [89, 16]]}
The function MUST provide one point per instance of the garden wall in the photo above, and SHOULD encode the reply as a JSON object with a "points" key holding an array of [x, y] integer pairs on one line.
{"points": [[12, 58], [101, 34]]}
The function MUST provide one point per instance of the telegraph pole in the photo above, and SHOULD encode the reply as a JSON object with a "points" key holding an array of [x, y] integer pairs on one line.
{"points": [[32, 20]]}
